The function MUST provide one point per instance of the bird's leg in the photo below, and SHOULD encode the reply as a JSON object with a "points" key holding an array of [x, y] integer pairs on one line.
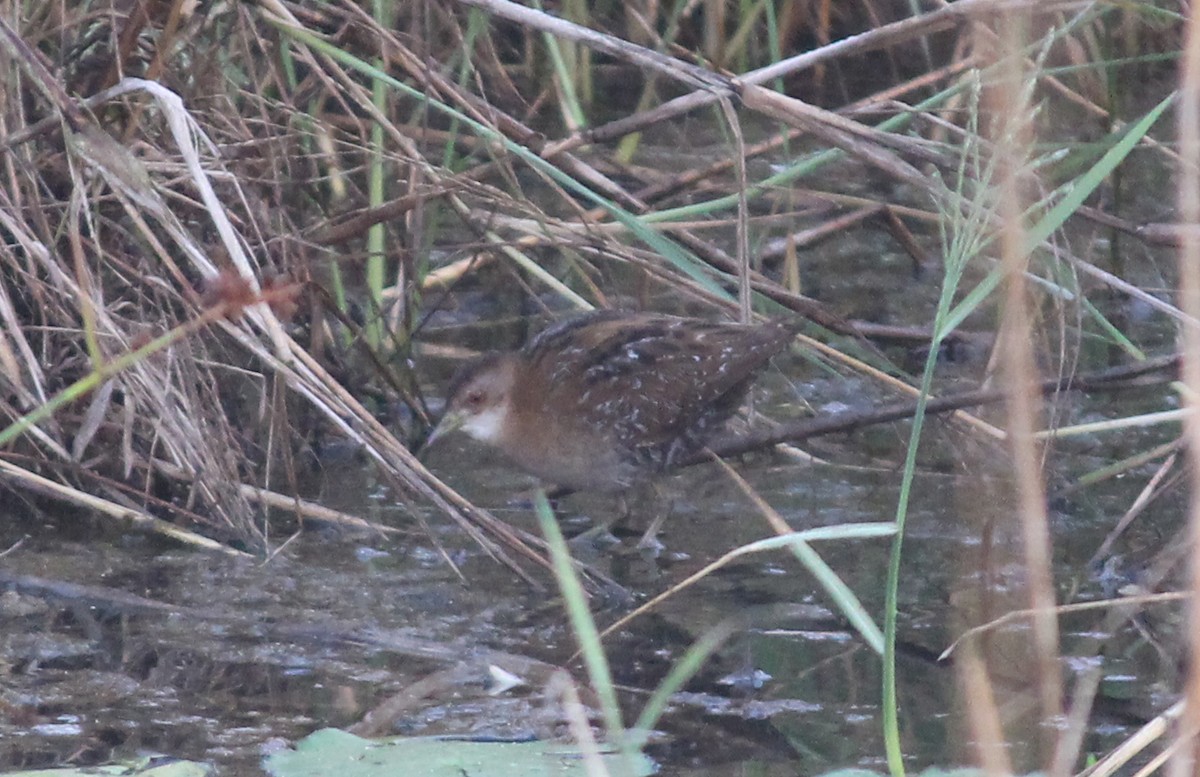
{"points": [[643, 501], [600, 535], [649, 544]]}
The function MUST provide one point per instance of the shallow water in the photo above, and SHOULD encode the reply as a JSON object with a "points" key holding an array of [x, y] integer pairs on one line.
{"points": [[332, 625]]}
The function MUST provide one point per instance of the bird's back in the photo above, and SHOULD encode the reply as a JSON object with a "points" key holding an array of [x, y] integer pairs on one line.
{"points": [[654, 387]]}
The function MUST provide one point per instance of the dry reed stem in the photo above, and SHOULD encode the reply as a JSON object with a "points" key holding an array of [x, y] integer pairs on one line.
{"points": [[1185, 758], [121, 513], [1136, 744], [1012, 125], [983, 717], [1016, 616]]}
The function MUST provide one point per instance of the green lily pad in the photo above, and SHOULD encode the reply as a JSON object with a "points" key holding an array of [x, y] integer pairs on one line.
{"points": [[331, 751]]}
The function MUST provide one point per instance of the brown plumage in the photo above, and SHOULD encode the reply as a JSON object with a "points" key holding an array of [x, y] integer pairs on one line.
{"points": [[602, 400]]}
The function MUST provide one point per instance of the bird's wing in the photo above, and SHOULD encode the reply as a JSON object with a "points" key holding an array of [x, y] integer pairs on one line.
{"points": [[656, 378]]}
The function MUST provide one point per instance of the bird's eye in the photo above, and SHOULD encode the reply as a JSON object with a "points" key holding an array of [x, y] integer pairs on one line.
{"points": [[475, 398]]}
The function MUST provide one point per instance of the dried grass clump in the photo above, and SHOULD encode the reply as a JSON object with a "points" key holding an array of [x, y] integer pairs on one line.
{"points": [[164, 170]]}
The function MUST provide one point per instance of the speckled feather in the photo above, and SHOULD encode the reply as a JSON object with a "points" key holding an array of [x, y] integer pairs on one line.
{"points": [[662, 383]]}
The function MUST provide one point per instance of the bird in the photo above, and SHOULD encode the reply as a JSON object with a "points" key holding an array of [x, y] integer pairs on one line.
{"points": [[606, 400]]}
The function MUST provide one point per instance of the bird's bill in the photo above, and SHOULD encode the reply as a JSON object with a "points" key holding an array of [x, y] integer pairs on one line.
{"points": [[451, 422]]}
